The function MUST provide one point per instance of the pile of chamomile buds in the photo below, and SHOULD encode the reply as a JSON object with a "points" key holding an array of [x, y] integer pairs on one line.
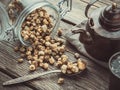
{"points": [[44, 50]]}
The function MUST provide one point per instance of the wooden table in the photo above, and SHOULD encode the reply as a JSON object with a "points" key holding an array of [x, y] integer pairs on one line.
{"points": [[95, 78]]}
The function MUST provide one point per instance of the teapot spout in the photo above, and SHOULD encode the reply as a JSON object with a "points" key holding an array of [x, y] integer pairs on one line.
{"points": [[84, 37]]}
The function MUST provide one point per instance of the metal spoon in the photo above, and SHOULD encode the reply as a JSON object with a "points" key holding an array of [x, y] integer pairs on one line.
{"points": [[31, 77]]}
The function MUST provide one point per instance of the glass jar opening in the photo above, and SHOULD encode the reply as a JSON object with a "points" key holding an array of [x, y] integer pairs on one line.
{"points": [[48, 19]]}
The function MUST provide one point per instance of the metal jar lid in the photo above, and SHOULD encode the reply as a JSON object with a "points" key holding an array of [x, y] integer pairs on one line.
{"points": [[4, 23]]}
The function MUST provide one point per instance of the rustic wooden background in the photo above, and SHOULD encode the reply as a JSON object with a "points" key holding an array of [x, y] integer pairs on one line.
{"points": [[95, 78]]}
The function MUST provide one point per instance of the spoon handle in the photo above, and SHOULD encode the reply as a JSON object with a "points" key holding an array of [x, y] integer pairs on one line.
{"points": [[29, 77]]}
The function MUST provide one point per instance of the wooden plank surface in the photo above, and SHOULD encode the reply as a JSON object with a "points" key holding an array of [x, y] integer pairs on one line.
{"points": [[95, 78], [77, 13], [4, 77], [107, 2]]}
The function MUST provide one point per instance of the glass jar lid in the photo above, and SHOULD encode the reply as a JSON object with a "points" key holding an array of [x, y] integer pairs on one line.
{"points": [[4, 23]]}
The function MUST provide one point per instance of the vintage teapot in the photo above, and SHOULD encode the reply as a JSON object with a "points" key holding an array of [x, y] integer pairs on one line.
{"points": [[100, 34]]}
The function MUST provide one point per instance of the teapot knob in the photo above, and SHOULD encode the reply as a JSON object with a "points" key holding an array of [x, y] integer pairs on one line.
{"points": [[114, 6], [110, 18]]}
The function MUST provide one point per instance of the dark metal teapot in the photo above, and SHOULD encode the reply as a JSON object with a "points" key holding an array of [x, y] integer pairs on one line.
{"points": [[101, 37]]}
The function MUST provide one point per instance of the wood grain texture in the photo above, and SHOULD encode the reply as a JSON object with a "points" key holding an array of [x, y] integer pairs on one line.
{"points": [[104, 2], [91, 79], [77, 13], [4, 77]]}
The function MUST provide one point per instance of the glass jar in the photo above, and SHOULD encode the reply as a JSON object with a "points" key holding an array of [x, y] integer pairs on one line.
{"points": [[56, 12]]}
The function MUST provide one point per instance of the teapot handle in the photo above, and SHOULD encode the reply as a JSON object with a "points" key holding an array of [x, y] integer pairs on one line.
{"points": [[88, 6]]}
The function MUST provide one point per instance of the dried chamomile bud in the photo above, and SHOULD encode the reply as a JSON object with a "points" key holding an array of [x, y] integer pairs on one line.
{"points": [[41, 53], [53, 46], [46, 58], [22, 49], [35, 57], [51, 60], [30, 62], [81, 64], [28, 53], [48, 51], [59, 32], [75, 69], [29, 57], [60, 81], [44, 28], [77, 55], [29, 48], [41, 65], [58, 63], [45, 66], [32, 68], [69, 65], [20, 60], [64, 60], [47, 44], [16, 48], [47, 38], [40, 60], [35, 63], [42, 57], [62, 48], [60, 40], [41, 13], [64, 56], [64, 68], [45, 22], [26, 37], [57, 57]]}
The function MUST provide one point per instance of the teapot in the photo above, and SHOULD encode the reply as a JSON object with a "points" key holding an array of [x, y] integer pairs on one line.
{"points": [[101, 34]]}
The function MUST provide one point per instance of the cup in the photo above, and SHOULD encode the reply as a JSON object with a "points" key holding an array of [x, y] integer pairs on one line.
{"points": [[114, 66]]}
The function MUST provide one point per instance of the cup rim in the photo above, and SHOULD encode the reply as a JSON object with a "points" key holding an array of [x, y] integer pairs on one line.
{"points": [[109, 63]]}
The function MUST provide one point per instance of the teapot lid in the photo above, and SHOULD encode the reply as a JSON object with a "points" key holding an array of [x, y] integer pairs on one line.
{"points": [[110, 18]]}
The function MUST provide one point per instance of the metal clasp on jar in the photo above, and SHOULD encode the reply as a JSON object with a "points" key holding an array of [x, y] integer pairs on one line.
{"points": [[6, 32], [63, 11]]}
